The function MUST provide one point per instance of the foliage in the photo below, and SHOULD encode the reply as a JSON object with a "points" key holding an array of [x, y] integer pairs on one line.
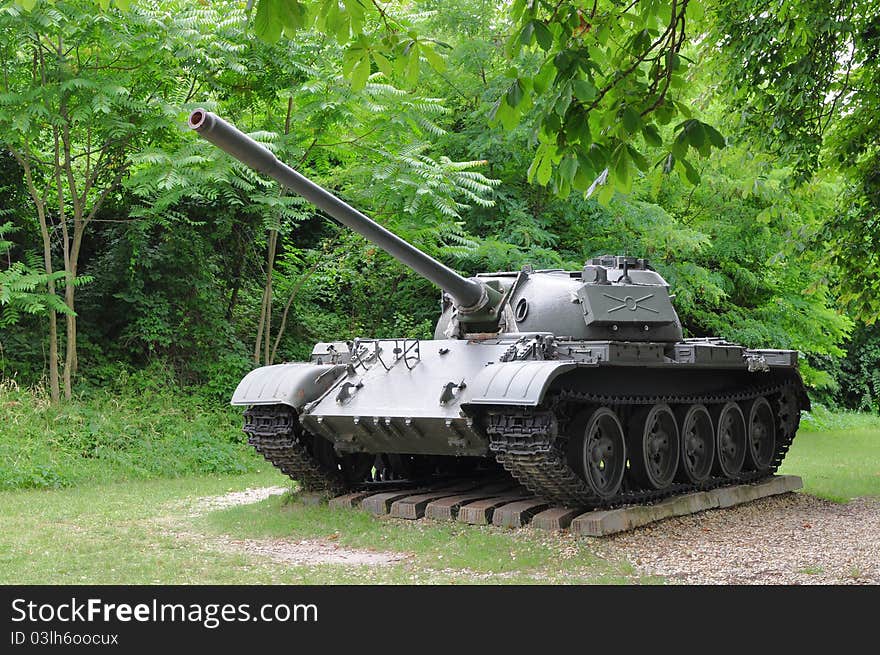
{"points": [[805, 79], [96, 93], [80, 94], [21, 285], [382, 35], [859, 371], [185, 250], [603, 80]]}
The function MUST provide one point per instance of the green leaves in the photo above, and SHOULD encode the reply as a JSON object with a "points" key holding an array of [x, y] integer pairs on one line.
{"points": [[515, 93], [369, 31], [23, 286], [516, 101], [542, 164], [356, 63], [610, 75], [535, 30], [276, 16], [267, 21], [584, 90]]}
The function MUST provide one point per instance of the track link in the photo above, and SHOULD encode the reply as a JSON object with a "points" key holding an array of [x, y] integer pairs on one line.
{"points": [[277, 435], [529, 445]]}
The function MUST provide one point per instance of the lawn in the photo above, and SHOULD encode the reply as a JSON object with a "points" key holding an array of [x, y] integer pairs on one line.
{"points": [[144, 532], [837, 464], [152, 531]]}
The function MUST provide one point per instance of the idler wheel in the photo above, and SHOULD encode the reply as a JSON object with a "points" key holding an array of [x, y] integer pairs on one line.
{"points": [[697, 444], [654, 446], [730, 439], [761, 440], [600, 452]]}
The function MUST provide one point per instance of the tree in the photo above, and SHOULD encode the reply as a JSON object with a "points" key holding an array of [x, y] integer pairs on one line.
{"points": [[603, 84], [82, 91], [805, 79], [598, 81]]}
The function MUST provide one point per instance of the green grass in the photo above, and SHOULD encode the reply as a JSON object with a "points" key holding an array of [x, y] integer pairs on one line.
{"points": [[821, 419], [116, 434], [452, 551], [838, 464]]}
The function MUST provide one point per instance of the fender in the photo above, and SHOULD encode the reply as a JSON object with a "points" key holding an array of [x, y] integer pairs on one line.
{"points": [[521, 383], [294, 384]]}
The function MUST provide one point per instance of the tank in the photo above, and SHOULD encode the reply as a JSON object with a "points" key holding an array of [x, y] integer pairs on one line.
{"points": [[579, 383]]}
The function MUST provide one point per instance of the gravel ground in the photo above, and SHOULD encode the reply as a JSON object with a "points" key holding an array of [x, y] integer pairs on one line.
{"points": [[794, 538], [308, 552], [789, 539], [247, 497]]}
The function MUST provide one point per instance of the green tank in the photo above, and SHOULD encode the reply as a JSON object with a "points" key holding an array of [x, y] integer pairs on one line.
{"points": [[578, 383]]}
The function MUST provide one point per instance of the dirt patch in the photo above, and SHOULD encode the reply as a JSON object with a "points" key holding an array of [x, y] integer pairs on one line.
{"points": [[306, 552], [309, 552], [199, 506], [794, 538]]}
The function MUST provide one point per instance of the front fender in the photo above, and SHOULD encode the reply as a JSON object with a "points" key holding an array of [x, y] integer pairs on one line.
{"points": [[292, 384], [522, 383]]}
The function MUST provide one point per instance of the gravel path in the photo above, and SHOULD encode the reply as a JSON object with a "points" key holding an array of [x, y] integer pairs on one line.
{"points": [[301, 552], [308, 552], [794, 538], [233, 498]]}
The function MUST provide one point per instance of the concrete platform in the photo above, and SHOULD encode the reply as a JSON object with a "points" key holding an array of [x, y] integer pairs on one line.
{"points": [[555, 518], [480, 512], [518, 514], [446, 509], [350, 500], [380, 504], [600, 523], [413, 507]]}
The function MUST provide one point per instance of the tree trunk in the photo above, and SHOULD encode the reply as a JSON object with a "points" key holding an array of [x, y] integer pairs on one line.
{"points": [[273, 245], [264, 329], [259, 340], [71, 266], [299, 284], [70, 350], [54, 390], [40, 203], [236, 281]]}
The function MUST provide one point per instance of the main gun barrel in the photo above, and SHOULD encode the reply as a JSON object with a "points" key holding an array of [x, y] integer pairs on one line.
{"points": [[469, 295]]}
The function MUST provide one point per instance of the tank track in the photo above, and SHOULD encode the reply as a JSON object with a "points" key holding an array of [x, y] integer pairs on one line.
{"points": [[526, 443], [276, 434]]}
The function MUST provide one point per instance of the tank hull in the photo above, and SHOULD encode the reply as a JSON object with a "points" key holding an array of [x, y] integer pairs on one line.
{"points": [[430, 397]]}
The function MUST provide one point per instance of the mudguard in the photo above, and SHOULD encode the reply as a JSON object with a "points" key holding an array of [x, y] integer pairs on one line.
{"points": [[293, 384], [522, 383]]}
